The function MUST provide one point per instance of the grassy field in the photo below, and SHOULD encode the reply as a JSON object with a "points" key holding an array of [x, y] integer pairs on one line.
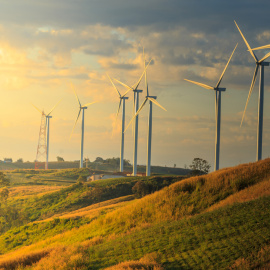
{"points": [[215, 221]]}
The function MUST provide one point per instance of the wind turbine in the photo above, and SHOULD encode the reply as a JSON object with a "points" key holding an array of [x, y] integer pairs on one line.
{"points": [[81, 108], [136, 92], [151, 99], [48, 117], [123, 99], [218, 91], [259, 63]]}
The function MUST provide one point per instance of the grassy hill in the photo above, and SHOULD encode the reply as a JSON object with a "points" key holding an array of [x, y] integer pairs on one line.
{"points": [[215, 221]]}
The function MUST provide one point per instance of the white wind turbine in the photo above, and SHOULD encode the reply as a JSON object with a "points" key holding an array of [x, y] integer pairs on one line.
{"points": [[48, 117], [122, 99], [218, 91], [136, 92], [259, 63], [81, 108], [151, 99]]}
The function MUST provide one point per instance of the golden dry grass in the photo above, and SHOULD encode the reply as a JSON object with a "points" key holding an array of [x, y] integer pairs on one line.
{"points": [[60, 257], [250, 193], [22, 261], [148, 262], [31, 190], [95, 210]]}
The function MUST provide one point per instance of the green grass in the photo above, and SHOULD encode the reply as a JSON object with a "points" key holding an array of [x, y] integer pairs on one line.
{"points": [[173, 222], [31, 233], [208, 241], [74, 197]]}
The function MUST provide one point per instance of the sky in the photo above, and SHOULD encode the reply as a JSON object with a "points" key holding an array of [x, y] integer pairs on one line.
{"points": [[47, 45]]}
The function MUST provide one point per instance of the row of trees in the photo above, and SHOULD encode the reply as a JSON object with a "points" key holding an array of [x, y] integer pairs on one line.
{"points": [[112, 161], [20, 160]]}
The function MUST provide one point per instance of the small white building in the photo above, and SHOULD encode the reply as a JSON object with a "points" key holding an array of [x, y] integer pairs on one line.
{"points": [[95, 177]]}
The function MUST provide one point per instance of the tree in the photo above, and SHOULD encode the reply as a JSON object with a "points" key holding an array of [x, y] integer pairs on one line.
{"points": [[99, 159], [199, 166], [82, 179], [20, 160], [3, 180], [141, 189], [59, 159]]}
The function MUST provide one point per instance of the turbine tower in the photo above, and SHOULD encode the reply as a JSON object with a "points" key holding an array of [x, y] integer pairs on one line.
{"points": [[123, 99], [136, 92], [259, 63], [218, 91], [46, 131], [81, 108], [151, 99]]}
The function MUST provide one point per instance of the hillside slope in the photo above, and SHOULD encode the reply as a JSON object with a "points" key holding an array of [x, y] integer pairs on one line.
{"points": [[214, 221]]}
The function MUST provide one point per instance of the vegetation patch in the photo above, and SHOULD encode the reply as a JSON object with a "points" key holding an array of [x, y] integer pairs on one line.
{"points": [[170, 220]]}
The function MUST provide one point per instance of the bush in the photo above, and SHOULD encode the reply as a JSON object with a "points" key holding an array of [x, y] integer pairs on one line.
{"points": [[3, 180], [141, 189], [82, 179]]}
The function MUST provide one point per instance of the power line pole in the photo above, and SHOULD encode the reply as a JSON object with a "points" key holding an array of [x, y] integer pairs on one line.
{"points": [[42, 146]]}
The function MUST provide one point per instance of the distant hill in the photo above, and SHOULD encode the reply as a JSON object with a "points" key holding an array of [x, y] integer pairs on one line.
{"points": [[93, 166], [215, 221]]}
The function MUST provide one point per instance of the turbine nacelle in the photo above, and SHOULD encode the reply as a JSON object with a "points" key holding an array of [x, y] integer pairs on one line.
{"points": [[220, 89], [43, 113], [266, 64]]}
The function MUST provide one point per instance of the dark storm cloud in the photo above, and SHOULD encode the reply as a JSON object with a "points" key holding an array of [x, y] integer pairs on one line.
{"points": [[175, 32], [208, 15]]}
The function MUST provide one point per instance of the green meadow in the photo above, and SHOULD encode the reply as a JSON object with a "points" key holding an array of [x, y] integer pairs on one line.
{"points": [[215, 221]]}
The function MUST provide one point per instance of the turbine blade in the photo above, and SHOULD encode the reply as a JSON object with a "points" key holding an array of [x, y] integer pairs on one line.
{"points": [[201, 84], [262, 47], [54, 107], [88, 104], [75, 122], [146, 83], [75, 94], [250, 91], [266, 56], [114, 85], [125, 85], [140, 108], [136, 114], [37, 108], [154, 101], [115, 120], [126, 92], [221, 77], [119, 108], [249, 48], [136, 86]]}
